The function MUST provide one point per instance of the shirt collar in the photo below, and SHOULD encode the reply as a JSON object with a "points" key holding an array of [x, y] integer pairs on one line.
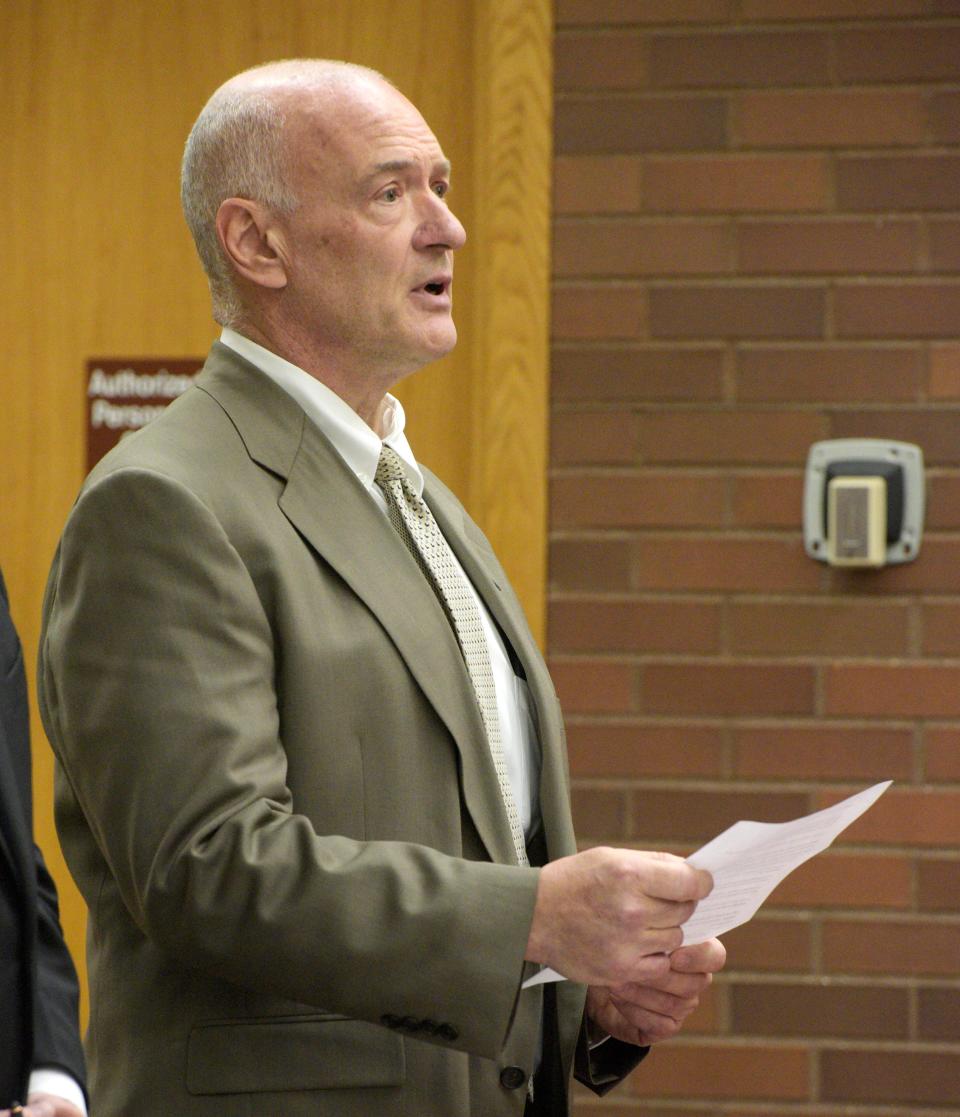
{"points": [[354, 441]]}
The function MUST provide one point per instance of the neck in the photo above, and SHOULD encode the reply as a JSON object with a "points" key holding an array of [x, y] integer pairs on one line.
{"points": [[364, 393]]}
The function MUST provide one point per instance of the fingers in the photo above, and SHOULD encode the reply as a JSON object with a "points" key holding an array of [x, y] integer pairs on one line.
{"points": [[599, 914], [669, 877], [628, 1022], [705, 957]]}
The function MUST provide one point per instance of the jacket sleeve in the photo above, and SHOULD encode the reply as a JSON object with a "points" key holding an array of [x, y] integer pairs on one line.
{"points": [[56, 1036]]}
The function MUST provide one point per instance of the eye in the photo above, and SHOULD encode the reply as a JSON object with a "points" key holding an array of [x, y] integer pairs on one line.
{"points": [[441, 189], [390, 194]]}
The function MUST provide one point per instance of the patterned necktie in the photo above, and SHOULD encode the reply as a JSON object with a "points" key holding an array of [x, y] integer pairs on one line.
{"points": [[416, 526]]}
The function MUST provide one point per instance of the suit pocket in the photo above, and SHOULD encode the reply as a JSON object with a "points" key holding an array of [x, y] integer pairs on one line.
{"points": [[321, 1052]]}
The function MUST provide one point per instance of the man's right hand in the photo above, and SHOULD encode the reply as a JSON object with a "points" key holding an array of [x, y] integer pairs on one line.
{"points": [[611, 916]]}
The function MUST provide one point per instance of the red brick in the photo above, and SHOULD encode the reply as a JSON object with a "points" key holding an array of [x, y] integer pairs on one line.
{"points": [[938, 885], [898, 182], [706, 1019], [597, 565], [611, 310], [897, 53], [906, 690], [945, 117], [896, 947], [696, 816], [829, 373], [739, 58], [599, 815], [596, 184], [942, 753], [890, 1077], [631, 499], [939, 1015], [941, 628], [944, 236], [768, 943], [729, 437], [600, 60], [594, 686], [637, 373], [593, 437], [822, 751], [837, 880], [722, 564], [619, 126], [933, 429], [738, 310], [827, 246], [801, 1009], [646, 626], [944, 382], [767, 499], [635, 749], [736, 184], [892, 310], [745, 689], [822, 118], [636, 247], [907, 817], [581, 12], [738, 1071], [819, 628]]}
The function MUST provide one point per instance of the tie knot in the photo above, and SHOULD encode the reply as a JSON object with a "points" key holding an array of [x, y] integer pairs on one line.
{"points": [[389, 467]]}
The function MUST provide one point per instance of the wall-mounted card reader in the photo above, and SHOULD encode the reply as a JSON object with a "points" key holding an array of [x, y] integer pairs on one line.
{"points": [[863, 502]]}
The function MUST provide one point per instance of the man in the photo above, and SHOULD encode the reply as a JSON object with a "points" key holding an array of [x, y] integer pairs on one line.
{"points": [[307, 744], [41, 1059]]}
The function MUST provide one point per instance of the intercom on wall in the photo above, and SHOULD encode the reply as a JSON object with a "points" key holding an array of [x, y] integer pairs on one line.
{"points": [[863, 502]]}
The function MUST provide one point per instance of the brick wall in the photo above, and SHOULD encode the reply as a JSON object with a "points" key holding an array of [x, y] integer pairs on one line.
{"points": [[756, 246]]}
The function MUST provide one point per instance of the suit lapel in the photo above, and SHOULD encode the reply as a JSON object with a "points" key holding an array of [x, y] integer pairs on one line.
{"points": [[483, 569], [326, 503]]}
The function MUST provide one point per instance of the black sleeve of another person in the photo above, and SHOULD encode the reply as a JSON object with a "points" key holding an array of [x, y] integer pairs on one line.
{"points": [[49, 1035]]}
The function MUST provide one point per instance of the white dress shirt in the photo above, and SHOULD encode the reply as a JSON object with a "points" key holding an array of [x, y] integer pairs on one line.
{"points": [[50, 1080], [359, 446]]}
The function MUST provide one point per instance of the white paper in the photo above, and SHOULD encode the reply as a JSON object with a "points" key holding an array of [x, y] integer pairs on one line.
{"points": [[749, 860]]}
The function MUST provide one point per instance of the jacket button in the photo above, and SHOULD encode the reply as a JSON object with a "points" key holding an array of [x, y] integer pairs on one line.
{"points": [[512, 1078], [447, 1032]]}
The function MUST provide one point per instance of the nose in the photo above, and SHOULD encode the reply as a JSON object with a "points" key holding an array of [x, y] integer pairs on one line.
{"points": [[440, 227]]}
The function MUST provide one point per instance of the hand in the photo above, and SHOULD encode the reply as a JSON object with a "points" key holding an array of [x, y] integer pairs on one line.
{"points": [[611, 916], [46, 1105], [644, 1013]]}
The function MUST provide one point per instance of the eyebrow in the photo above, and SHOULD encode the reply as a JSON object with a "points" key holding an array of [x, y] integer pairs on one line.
{"points": [[442, 167]]}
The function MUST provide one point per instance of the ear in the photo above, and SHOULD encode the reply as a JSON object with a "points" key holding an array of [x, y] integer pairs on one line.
{"points": [[252, 242]]}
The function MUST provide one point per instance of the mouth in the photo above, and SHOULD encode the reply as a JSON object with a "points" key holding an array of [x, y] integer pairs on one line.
{"points": [[437, 287]]}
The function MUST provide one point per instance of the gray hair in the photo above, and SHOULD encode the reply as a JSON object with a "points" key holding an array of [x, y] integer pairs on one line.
{"points": [[236, 148]]}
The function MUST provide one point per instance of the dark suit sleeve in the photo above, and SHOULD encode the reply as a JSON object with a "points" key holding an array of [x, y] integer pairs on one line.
{"points": [[606, 1065], [56, 1037]]}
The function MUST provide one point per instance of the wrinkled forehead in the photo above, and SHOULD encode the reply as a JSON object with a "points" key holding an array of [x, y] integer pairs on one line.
{"points": [[350, 131]]}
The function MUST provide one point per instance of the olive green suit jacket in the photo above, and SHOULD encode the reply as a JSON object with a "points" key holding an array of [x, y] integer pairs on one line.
{"points": [[273, 787]]}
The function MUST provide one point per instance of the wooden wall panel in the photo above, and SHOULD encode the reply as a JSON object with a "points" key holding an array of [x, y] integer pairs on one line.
{"points": [[101, 95]]}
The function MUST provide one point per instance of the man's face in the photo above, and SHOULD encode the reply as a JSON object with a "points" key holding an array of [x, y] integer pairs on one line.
{"points": [[370, 245]]}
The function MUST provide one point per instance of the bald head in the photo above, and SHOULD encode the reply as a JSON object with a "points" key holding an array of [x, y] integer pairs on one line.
{"points": [[238, 148]]}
